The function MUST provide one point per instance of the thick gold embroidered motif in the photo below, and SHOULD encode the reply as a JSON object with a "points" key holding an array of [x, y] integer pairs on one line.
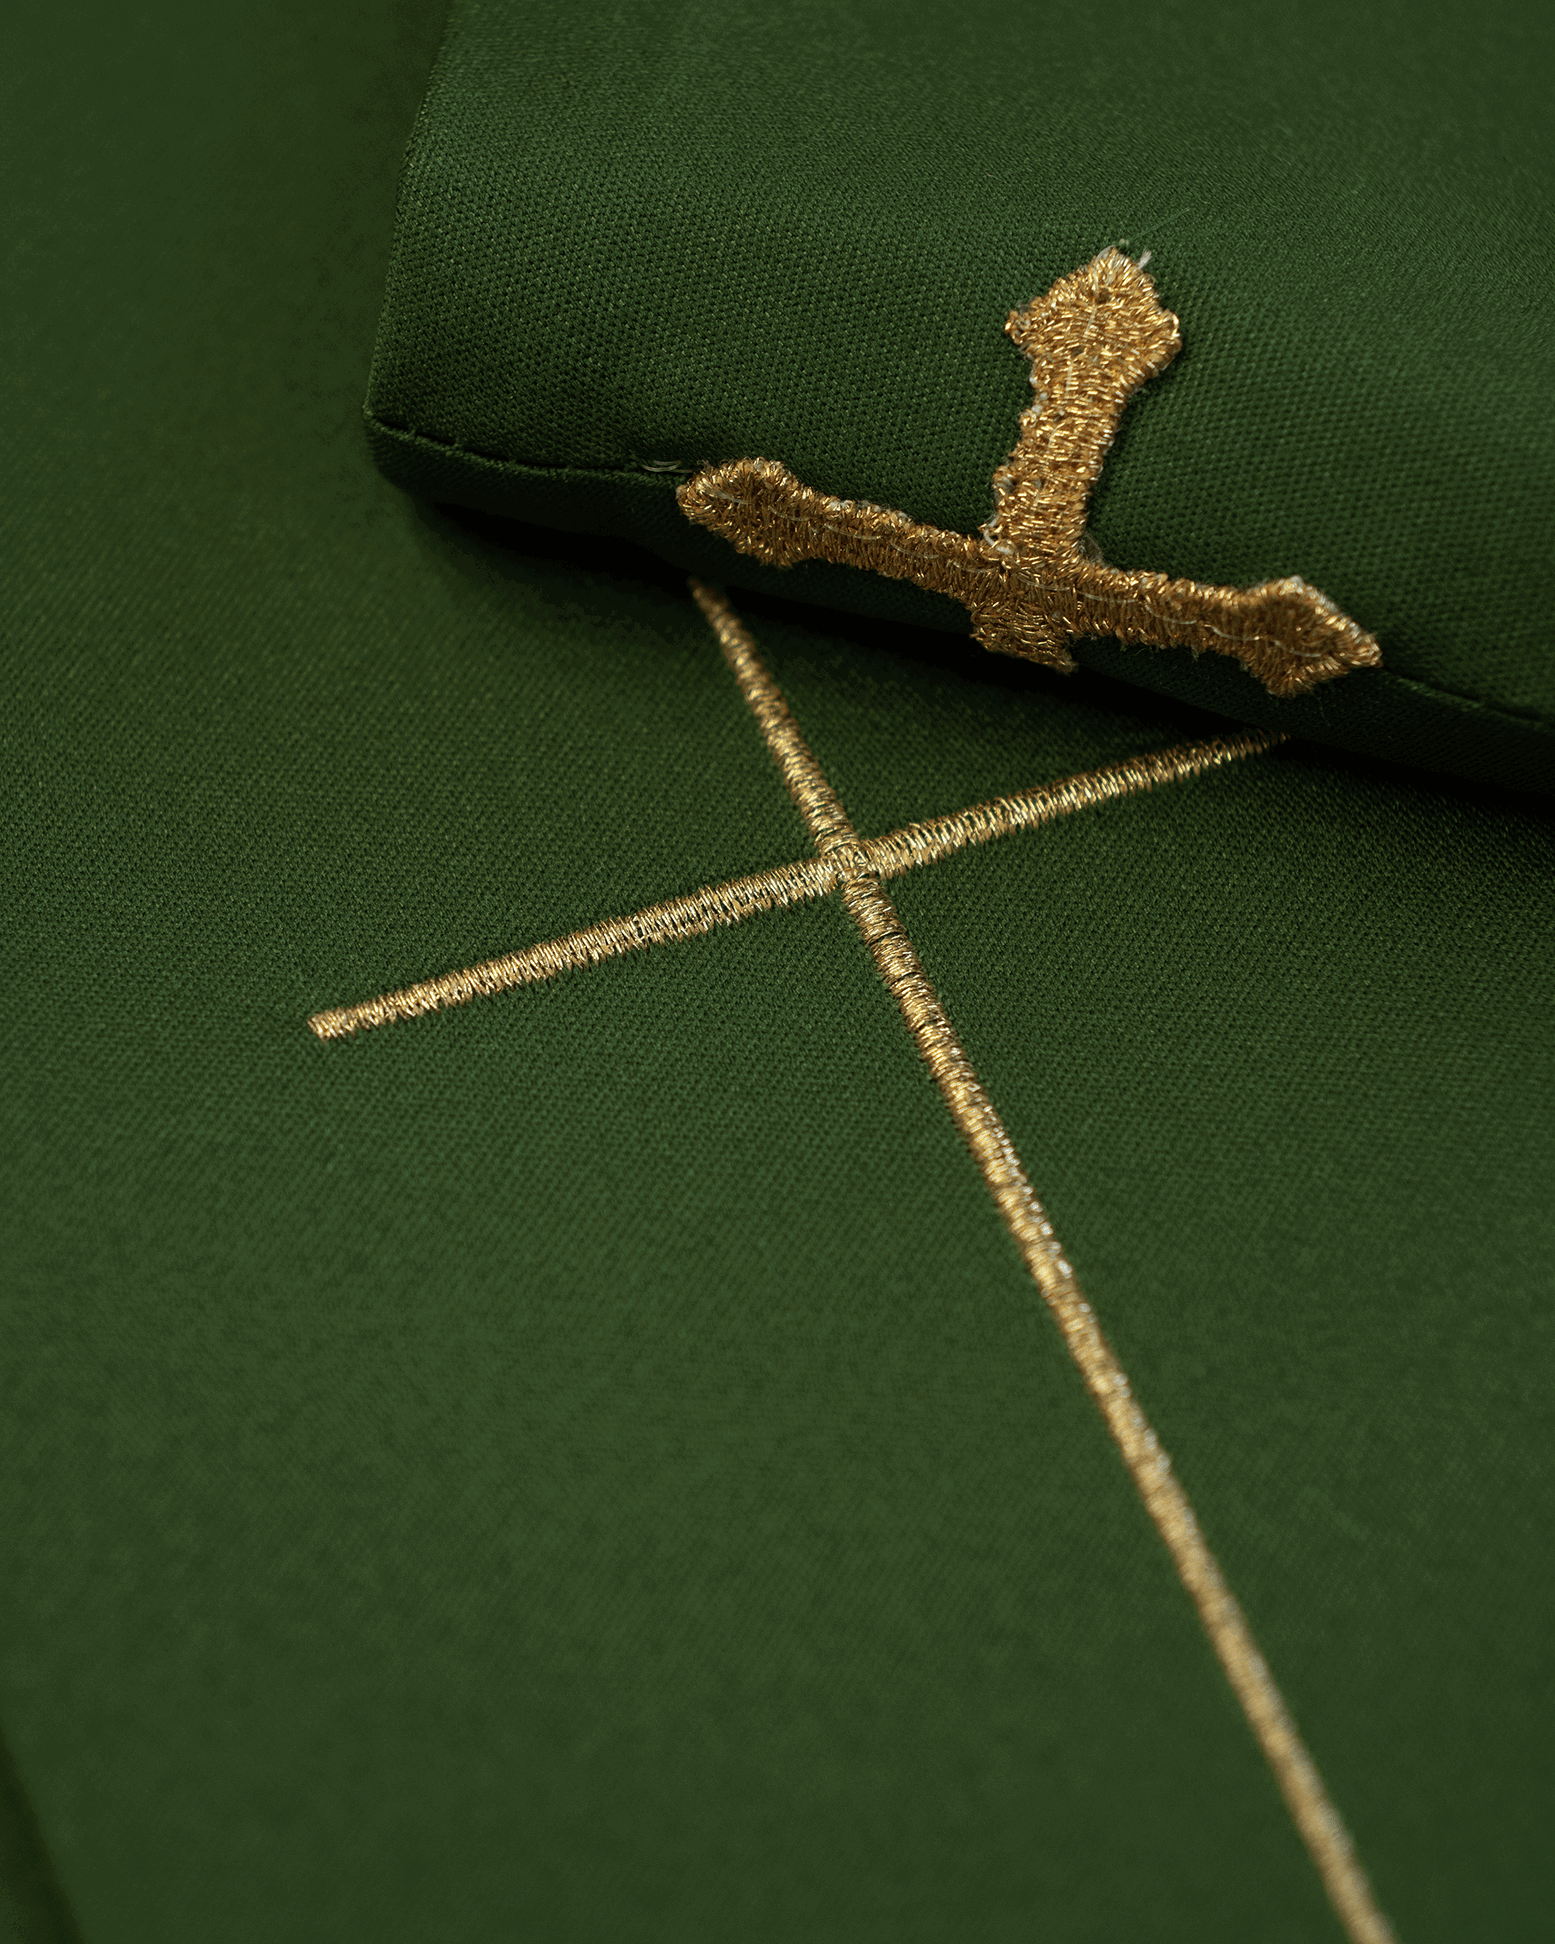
{"points": [[1032, 578]]}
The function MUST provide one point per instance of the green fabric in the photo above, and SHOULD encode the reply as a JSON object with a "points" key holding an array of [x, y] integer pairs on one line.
{"points": [[590, 1466], [33, 1907], [693, 230]]}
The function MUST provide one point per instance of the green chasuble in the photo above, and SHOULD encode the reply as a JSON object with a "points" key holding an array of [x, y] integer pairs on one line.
{"points": [[663, 1439]]}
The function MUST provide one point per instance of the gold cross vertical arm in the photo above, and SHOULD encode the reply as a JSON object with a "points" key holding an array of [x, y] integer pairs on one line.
{"points": [[856, 867], [1032, 578]]}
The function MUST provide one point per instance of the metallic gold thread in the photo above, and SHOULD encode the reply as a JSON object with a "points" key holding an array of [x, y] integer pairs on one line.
{"points": [[732, 902], [937, 837], [657, 924], [1032, 579], [1315, 1817]]}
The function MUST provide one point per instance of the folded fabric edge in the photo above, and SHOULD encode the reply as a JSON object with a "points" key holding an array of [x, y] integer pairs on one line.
{"points": [[1380, 713]]}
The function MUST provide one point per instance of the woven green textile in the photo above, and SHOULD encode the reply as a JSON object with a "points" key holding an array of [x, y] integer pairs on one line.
{"points": [[691, 230], [591, 1466]]}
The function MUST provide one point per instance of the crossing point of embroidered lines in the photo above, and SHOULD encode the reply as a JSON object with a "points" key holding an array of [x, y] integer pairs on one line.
{"points": [[856, 868], [734, 900]]}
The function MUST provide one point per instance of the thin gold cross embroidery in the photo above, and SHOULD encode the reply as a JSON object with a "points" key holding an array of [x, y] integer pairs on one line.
{"points": [[737, 899], [856, 868], [1032, 578]]}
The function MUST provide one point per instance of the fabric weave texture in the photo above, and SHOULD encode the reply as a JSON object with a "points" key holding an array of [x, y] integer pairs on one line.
{"points": [[695, 231], [590, 1466]]}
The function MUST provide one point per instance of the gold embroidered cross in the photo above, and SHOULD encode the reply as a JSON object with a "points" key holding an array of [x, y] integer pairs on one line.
{"points": [[1033, 578], [855, 868]]}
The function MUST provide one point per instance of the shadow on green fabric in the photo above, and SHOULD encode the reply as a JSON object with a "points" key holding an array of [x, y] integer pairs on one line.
{"points": [[33, 1906]]}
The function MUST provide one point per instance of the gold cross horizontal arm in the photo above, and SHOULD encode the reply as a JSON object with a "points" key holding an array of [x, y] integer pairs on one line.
{"points": [[1031, 579], [735, 900]]}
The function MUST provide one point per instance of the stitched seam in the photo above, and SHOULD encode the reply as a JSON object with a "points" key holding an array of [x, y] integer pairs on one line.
{"points": [[1319, 1824], [736, 899], [636, 474]]}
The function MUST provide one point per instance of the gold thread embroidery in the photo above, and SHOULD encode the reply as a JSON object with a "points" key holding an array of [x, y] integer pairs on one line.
{"points": [[1315, 1817], [1032, 578], [656, 924], [925, 843], [737, 899]]}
